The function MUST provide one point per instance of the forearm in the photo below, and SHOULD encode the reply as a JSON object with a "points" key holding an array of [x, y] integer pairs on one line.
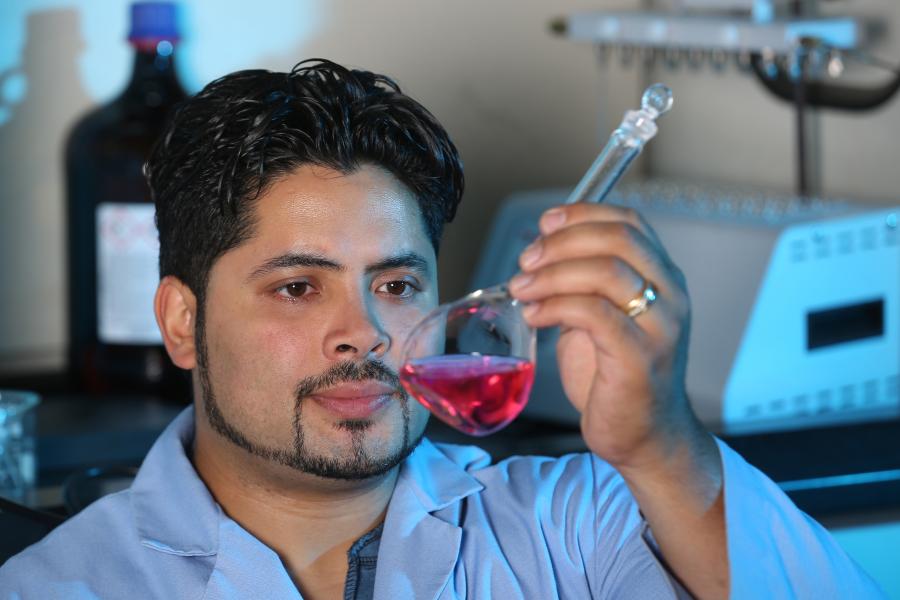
{"points": [[681, 496]]}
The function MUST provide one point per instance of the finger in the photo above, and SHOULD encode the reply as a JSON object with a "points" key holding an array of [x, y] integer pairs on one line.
{"points": [[567, 215], [620, 240], [661, 324], [611, 330], [607, 276]]}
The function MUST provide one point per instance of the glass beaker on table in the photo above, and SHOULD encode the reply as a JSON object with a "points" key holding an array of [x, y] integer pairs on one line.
{"points": [[18, 444]]}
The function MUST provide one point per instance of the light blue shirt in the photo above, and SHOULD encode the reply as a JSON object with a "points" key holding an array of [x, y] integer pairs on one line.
{"points": [[456, 527]]}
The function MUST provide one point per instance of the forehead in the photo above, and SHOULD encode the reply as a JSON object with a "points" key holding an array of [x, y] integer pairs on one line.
{"points": [[339, 213]]}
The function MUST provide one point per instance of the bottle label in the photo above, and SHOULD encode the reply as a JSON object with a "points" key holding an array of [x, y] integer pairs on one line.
{"points": [[127, 273]]}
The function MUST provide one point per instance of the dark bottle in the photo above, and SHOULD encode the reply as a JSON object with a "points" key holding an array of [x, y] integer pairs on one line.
{"points": [[115, 345]]}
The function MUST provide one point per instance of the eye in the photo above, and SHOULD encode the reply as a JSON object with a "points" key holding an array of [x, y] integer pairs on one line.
{"points": [[294, 289], [399, 288]]}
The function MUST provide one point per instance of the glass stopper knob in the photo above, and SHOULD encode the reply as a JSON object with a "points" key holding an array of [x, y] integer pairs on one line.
{"points": [[657, 99]]}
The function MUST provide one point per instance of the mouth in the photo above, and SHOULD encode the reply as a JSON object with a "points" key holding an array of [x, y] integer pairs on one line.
{"points": [[356, 400]]}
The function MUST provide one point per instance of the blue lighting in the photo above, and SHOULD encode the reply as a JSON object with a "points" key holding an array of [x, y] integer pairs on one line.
{"points": [[840, 480], [13, 89], [216, 38]]}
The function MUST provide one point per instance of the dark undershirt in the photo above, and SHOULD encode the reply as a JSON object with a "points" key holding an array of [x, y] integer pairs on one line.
{"points": [[362, 558]]}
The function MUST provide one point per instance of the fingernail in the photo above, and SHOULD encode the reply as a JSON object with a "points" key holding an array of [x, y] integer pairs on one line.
{"points": [[531, 254], [553, 219], [520, 281], [529, 310]]}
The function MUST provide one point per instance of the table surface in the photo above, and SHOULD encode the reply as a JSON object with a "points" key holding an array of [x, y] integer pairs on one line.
{"points": [[77, 432]]}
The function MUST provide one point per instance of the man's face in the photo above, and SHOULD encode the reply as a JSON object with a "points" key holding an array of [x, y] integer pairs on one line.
{"points": [[304, 324]]}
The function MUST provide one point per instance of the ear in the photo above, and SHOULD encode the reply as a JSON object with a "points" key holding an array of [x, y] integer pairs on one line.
{"points": [[176, 308]]}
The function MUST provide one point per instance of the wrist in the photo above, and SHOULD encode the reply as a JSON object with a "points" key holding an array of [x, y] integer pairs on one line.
{"points": [[686, 457]]}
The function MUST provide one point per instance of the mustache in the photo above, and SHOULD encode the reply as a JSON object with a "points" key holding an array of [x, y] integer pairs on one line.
{"points": [[348, 371]]}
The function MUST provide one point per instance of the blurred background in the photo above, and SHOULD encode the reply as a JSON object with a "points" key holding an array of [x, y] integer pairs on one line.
{"points": [[772, 174]]}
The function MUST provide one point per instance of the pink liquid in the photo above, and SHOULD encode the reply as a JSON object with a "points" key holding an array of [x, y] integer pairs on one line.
{"points": [[476, 394]]}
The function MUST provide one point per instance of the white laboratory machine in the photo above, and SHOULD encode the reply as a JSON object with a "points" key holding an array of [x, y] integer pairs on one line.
{"points": [[795, 304]]}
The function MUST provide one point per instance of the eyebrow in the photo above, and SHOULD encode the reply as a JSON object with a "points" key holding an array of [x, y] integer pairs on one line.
{"points": [[406, 260], [410, 260], [295, 259]]}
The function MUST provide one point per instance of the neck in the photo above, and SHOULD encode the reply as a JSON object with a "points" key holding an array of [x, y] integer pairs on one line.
{"points": [[309, 521]]}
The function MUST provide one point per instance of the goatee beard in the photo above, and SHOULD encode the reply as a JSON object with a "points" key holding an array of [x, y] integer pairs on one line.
{"points": [[358, 463]]}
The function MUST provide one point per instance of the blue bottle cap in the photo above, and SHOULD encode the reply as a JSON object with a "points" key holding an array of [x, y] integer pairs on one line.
{"points": [[153, 21]]}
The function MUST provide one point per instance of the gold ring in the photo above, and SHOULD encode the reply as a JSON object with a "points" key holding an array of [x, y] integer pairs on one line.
{"points": [[640, 303]]}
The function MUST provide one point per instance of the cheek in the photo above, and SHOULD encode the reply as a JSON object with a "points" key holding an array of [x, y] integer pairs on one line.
{"points": [[259, 361], [268, 334], [400, 326], [289, 344], [401, 321], [418, 414]]}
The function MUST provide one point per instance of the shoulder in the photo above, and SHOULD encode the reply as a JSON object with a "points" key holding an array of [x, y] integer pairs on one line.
{"points": [[569, 472], [575, 508], [577, 487], [66, 562]]}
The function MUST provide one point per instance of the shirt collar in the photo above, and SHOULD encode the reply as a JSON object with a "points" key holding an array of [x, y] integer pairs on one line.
{"points": [[422, 535], [439, 477], [175, 512]]}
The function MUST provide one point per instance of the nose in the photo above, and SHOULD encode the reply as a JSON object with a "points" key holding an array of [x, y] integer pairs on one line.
{"points": [[356, 334]]}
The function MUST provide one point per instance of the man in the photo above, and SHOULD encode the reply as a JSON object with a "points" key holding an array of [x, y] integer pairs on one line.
{"points": [[299, 217]]}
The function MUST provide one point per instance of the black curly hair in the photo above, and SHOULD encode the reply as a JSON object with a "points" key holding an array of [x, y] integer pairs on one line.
{"points": [[226, 145]]}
